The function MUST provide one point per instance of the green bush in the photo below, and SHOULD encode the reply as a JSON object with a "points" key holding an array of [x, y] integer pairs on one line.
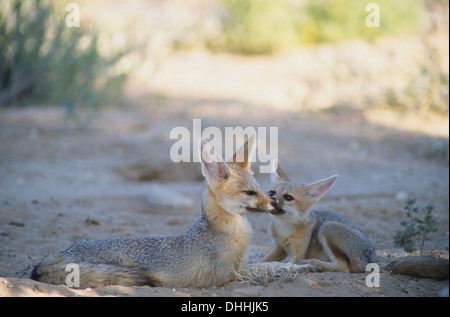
{"points": [[420, 223], [45, 62], [256, 26], [269, 26], [337, 20]]}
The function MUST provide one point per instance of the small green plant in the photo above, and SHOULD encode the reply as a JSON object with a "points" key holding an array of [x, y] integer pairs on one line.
{"points": [[420, 223]]}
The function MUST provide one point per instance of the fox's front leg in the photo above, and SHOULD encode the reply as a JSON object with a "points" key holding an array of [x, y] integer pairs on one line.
{"points": [[278, 254], [298, 249]]}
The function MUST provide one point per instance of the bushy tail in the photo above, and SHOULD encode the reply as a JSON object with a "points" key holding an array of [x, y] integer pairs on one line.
{"points": [[53, 271], [420, 266]]}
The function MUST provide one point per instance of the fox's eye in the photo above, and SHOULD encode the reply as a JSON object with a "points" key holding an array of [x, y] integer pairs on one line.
{"points": [[250, 192], [288, 197], [272, 193]]}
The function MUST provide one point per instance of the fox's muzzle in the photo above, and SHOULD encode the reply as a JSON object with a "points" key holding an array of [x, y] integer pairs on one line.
{"points": [[250, 209], [277, 210]]}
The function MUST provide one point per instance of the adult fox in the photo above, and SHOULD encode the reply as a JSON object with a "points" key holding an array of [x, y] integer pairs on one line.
{"points": [[207, 254]]}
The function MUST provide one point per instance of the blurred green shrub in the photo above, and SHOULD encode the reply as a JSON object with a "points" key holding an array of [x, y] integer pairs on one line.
{"points": [[256, 27], [269, 26], [44, 61], [332, 21]]}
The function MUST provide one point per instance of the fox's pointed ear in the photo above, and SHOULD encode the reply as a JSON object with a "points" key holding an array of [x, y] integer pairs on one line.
{"points": [[244, 155], [213, 167], [317, 189], [277, 173]]}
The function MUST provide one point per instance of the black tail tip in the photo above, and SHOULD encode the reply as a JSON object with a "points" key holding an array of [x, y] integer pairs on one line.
{"points": [[35, 273]]}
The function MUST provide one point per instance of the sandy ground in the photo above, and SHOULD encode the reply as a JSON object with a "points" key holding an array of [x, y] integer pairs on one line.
{"points": [[60, 183]]}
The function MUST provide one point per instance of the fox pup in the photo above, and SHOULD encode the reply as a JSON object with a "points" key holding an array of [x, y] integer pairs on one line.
{"points": [[321, 238], [209, 253]]}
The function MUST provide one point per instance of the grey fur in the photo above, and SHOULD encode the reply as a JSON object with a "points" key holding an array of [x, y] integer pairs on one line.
{"points": [[155, 261]]}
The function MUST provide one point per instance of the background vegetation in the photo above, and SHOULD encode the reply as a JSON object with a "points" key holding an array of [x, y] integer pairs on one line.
{"points": [[42, 61], [268, 26]]}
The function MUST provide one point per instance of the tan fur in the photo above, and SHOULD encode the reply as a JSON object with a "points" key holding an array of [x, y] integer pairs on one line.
{"points": [[320, 238]]}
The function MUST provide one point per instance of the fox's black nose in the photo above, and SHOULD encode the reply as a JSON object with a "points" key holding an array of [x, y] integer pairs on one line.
{"points": [[274, 203]]}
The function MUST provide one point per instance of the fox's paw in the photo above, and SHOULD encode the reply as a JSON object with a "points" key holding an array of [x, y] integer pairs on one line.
{"points": [[308, 266]]}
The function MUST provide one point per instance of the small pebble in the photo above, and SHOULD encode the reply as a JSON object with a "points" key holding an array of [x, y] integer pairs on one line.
{"points": [[92, 222], [401, 196]]}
